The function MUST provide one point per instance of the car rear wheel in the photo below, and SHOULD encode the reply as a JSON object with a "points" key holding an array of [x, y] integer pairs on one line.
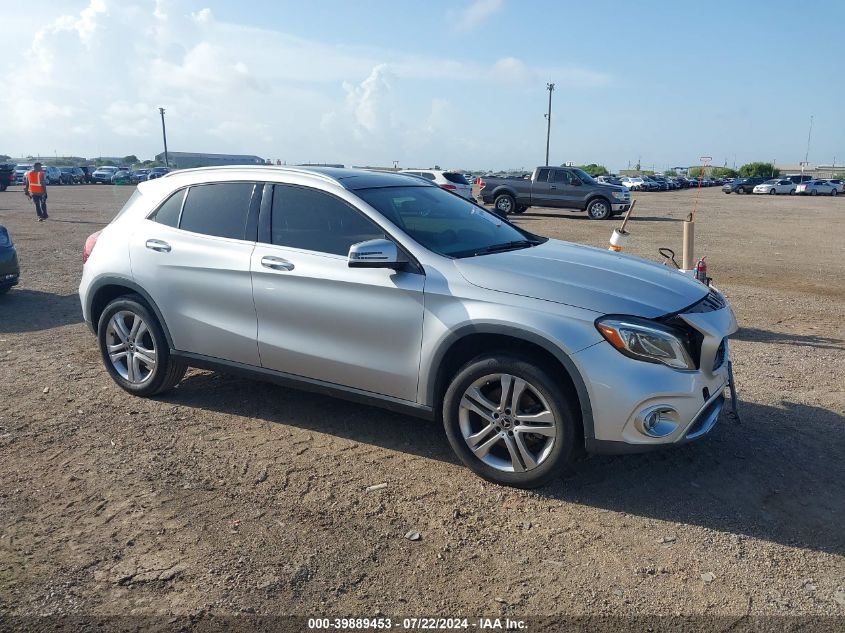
{"points": [[504, 204], [833, 192], [509, 421], [598, 209], [772, 192], [813, 192], [741, 190], [792, 192], [135, 350]]}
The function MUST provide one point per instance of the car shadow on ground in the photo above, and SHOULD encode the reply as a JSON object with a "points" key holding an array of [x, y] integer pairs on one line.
{"points": [[24, 310], [786, 338], [776, 477]]}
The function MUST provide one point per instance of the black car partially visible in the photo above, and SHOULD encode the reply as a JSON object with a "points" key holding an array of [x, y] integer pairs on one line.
{"points": [[9, 270], [7, 175]]}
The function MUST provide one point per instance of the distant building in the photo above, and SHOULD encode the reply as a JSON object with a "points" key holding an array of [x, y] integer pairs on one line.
{"points": [[184, 160], [819, 171]]}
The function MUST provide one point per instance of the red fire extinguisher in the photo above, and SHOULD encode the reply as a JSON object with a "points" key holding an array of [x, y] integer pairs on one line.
{"points": [[701, 271]]}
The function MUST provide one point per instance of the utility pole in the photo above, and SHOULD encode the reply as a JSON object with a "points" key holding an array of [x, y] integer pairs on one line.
{"points": [[551, 88], [164, 136], [807, 153]]}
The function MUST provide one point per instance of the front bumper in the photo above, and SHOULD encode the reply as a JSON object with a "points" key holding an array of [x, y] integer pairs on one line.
{"points": [[624, 392], [620, 206]]}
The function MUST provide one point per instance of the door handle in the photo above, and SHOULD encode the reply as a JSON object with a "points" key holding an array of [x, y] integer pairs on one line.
{"points": [[158, 245], [552, 187], [276, 263]]}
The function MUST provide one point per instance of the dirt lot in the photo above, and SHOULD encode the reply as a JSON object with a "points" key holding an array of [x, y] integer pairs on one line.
{"points": [[228, 496]]}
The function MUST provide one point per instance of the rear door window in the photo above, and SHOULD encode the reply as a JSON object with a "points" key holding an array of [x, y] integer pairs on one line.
{"points": [[218, 209], [543, 175]]}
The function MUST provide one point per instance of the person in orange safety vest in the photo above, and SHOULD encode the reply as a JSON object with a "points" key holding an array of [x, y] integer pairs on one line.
{"points": [[35, 188]]}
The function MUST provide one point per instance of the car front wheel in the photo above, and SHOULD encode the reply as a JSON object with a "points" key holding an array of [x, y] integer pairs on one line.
{"points": [[135, 350], [509, 421], [598, 209]]}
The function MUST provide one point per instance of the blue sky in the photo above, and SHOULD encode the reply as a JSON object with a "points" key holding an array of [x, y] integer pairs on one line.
{"points": [[458, 83]]}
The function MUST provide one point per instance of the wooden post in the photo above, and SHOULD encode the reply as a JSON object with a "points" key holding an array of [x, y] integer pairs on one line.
{"points": [[688, 259]]}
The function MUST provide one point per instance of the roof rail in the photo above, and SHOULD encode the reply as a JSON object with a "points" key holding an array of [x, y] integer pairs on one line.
{"points": [[279, 168]]}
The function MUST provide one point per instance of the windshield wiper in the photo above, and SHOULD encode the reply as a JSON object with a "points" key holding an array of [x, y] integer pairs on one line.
{"points": [[500, 248]]}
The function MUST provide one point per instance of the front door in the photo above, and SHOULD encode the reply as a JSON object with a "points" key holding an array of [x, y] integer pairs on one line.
{"points": [[320, 319]]}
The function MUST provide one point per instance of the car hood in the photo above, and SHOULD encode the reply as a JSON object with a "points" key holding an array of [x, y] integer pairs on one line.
{"points": [[586, 277]]}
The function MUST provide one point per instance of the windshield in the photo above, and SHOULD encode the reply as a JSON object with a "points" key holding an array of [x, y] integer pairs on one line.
{"points": [[445, 223]]}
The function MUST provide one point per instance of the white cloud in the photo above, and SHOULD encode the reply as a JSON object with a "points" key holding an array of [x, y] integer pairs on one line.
{"points": [[94, 81], [477, 12]]}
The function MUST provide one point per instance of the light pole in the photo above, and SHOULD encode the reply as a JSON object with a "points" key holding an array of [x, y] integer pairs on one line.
{"points": [[807, 153], [551, 88], [164, 136]]}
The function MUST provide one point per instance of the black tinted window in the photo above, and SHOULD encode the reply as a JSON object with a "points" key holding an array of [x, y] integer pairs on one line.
{"points": [[168, 212], [458, 179], [542, 175], [317, 221], [218, 209], [561, 176]]}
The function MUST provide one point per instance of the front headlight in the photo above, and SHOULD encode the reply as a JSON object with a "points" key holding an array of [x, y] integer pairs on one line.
{"points": [[645, 340], [619, 195]]}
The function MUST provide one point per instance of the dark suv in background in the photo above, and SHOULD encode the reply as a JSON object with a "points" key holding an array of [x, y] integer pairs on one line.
{"points": [[743, 185], [7, 175]]}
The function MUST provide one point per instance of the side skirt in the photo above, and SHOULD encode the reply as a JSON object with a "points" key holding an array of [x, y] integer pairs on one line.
{"points": [[306, 384]]}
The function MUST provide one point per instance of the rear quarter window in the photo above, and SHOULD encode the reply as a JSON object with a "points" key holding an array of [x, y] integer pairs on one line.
{"points": [[168, 212], [456, 178]]}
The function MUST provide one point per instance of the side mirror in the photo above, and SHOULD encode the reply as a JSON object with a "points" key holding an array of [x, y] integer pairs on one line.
{"points": [[378, 253]]}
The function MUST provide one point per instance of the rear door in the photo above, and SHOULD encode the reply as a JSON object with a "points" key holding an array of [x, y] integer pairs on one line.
{"points": [[541, 189], [317, 317], [193, 256]]}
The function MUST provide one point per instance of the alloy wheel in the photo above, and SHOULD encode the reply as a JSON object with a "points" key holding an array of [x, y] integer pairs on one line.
{"points": [[599, 210], [131, 347], [503, 204], [507, 423]]}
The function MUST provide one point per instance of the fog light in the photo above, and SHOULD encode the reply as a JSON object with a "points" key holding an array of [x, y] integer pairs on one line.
{"points": [[657, 421]]}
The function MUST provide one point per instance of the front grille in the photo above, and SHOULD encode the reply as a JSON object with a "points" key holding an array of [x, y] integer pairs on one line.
{"points": [[711, 302]]}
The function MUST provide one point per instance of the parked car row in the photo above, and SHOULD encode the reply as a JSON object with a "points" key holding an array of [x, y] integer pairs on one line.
{"points": [[110, 175], [663, 183], [794, 184], [68, 175]]}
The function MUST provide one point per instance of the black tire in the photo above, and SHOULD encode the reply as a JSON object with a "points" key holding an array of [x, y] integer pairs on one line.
{"points": [[814, 192], [792, 193], [521, 208], [772, 192], [558, 456], [3, 186], [740, 190], [504, 204], [4, 289], [833, 192], [599, 209], [168, 371]]}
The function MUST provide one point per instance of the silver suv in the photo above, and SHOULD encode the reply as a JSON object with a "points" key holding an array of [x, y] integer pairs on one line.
{"points": [[388, 289]]}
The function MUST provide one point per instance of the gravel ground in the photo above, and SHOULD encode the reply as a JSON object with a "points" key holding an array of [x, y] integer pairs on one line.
{"points": [[234, 497]]}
